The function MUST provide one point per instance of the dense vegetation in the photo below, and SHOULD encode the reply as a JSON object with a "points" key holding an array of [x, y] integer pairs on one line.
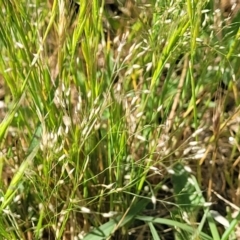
{"points": [[120, 120]]}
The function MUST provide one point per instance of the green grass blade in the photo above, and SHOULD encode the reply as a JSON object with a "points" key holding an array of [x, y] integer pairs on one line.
{"points": [[174, 224], [231, 228], [17, 178], [9, 117], [108, 228], [153, 231]]}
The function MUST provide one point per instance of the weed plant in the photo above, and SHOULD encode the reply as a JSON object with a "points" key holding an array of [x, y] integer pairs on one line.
{"points": [[120, 120]]}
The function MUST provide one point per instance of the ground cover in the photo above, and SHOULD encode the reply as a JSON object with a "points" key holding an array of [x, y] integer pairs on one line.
{"points": [[119, 120]]}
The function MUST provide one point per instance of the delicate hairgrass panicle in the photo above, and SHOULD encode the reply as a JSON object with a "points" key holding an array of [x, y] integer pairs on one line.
{"points": [[112, 111]]}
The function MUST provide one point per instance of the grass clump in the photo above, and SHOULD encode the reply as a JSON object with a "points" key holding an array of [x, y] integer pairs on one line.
{"points": [[119, 120]]}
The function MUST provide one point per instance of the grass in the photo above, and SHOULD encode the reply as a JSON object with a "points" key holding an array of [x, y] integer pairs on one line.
{"points": [[119, 121]]}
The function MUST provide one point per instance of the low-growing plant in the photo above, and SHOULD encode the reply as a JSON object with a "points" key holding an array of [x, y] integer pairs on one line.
{"points": [[119, 120]]}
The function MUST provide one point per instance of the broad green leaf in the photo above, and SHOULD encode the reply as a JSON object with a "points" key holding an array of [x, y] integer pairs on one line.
{"points": [[107, 229]]}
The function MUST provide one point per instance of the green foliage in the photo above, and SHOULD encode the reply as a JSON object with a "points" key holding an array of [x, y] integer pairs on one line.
{"points": [[107, 108]]}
